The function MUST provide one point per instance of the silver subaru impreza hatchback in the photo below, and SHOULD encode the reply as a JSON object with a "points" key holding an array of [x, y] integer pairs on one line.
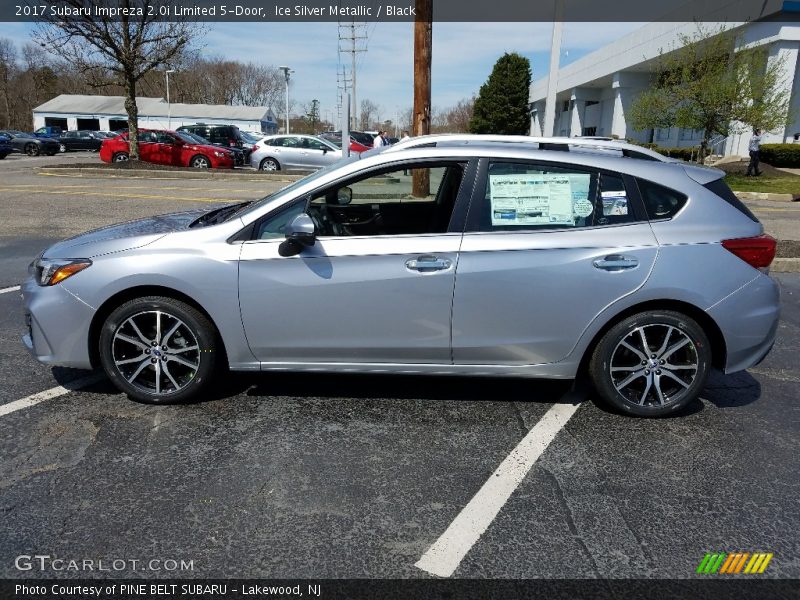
{"points": [[450, 256]]}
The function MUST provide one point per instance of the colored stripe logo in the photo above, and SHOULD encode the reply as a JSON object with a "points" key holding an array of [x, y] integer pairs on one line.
{"points": [[734, 563]]}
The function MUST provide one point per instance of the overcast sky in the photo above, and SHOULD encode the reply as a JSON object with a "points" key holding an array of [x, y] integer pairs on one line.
{"points": [[463, 55]]}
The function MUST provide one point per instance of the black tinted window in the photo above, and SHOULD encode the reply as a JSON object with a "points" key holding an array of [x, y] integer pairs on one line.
{"points": [[721, 189], [659, 201]]}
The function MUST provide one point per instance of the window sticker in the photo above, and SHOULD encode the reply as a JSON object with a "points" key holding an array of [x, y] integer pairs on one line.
{"points": [[614, 203], [535, 199]]}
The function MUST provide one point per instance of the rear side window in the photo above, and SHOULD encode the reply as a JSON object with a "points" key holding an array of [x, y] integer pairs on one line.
{"points": [[659, 201], [721, 189]]}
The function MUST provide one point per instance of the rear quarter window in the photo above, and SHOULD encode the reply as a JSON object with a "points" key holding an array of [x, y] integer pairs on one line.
{"points": [[660, 202], [721, 189]]}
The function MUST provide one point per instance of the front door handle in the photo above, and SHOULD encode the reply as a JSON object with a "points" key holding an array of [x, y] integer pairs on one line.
{"points": [[616, 262], [428, 264]]}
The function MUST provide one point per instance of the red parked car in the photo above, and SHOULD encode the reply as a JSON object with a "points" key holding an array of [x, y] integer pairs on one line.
{"points": [[168, 148]]}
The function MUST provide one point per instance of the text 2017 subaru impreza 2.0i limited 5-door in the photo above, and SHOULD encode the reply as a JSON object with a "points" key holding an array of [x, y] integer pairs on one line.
{"points": [[461, 256]]}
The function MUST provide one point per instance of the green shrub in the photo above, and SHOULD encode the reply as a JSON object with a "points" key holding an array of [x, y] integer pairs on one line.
{"points": [[682, 153], [781, 155]]}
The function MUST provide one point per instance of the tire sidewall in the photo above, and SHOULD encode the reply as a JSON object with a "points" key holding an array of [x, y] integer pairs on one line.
{"points": [[601, 359], [203, 331]]}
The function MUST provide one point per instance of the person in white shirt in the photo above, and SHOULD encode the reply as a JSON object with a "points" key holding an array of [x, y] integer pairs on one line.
{"points": [[378, 141], [405, 136], [755, 153]]}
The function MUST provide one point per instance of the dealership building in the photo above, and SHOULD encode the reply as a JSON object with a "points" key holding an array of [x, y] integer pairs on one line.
{"points": [[594, 93], [107, 113]]}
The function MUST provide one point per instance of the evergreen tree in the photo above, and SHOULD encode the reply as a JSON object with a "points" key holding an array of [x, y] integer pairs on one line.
{"points": [[502, 104]]}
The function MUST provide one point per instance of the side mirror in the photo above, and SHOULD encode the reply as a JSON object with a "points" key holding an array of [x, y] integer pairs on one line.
{"points": [[344, 195], [299, 234]]}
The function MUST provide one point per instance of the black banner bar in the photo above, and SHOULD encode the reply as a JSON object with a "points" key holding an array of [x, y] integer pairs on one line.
{"points": [[731, 588], [277, 11]]}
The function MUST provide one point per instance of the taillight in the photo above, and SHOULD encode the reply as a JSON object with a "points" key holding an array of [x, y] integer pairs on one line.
{"points": [[756, 251], [256, 147]]}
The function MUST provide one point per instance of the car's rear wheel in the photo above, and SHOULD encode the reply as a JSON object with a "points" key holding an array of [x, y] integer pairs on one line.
{"points": [[159, 350], [270, 164], [651, 364], [32, 150], [200, 162], [121, 157]]}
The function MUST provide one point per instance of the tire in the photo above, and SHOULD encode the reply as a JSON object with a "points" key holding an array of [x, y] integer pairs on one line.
{"points": [[200, 162], [32, 150], [120, 157], [139, 365], [62, 148], [269, 164], [661, 381]]}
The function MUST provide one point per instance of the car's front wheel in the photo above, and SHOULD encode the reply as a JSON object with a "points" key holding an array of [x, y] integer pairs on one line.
{"points": [[121, 157], [159, 350], [652, 363], [32, 150], [200, 162]]}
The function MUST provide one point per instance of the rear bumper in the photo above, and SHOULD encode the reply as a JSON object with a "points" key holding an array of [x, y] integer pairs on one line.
{"points": [[748, 319]]}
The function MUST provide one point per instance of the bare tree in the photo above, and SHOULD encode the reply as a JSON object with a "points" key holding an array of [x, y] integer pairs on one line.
{"points": [[8, 66], [369, 113], [124, 48]]}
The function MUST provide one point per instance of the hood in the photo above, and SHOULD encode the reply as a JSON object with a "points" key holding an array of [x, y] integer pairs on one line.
{"points": [[124, 236]]}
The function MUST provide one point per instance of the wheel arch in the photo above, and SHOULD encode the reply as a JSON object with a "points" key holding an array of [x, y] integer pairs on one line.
{"points": [[121, 297], [712, 330]]}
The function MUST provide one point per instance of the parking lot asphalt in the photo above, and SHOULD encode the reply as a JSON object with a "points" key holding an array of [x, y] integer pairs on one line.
{"points": [[330, 476]]}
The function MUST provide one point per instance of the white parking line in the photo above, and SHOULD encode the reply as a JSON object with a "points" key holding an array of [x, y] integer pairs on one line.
{"points": [[444, 556], [55, 392], [13, 288]]}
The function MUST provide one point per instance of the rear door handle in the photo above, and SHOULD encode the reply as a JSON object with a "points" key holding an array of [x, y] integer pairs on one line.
{"points": [[428, 264], [616, 262]]}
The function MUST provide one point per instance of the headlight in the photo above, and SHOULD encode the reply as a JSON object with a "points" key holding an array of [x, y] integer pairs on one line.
{"points": [[220, 154], [52, 271]]}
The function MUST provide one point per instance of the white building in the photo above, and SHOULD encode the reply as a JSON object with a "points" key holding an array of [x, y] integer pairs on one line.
{"points": [[107, 113], [595, 92]]}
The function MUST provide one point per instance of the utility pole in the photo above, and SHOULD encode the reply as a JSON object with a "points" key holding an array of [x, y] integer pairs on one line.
{"points": [[550, 111], [351, 37], [342, 90], [423, 53]]}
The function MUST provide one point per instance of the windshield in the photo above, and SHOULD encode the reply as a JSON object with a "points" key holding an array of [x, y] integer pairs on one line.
{"points": [[297, 184], [250, 137], [187, 137]]}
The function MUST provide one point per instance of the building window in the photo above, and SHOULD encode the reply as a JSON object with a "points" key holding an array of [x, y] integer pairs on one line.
{"points": [[691, 134], [590, 131], [663, 134]]}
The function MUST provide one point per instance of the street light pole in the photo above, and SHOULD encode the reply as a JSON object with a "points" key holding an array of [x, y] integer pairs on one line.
{"points": [[169, 106], [286, 72]]}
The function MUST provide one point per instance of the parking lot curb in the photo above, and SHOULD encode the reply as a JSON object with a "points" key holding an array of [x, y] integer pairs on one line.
{"points": [[167, 174], [785, 265], [767, 196]]}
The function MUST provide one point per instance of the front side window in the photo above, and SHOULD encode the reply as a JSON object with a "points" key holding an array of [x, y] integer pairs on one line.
{"points": [[274, 226], [317, 145], [529, 196], [414, 200]]}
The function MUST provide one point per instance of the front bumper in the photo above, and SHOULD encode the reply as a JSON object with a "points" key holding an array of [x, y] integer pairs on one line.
{"points": [[57, 325]]}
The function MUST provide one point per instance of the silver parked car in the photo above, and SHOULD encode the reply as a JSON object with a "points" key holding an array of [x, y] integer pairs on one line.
{"points": [[300, 152], [458, 258]]}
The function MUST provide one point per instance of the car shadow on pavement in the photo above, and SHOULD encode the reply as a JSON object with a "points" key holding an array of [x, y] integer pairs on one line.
{"points": [[363, 386], [729, 391]]}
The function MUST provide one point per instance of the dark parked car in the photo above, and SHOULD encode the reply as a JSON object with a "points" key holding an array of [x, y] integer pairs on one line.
{"points": [[31, 145], [228, 136], [51, 131], [238, 153], [5, 147], [80, 140], [362, 138]]}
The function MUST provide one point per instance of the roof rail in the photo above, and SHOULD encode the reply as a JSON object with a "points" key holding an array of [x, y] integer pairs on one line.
{"points": [[543, 143]]}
